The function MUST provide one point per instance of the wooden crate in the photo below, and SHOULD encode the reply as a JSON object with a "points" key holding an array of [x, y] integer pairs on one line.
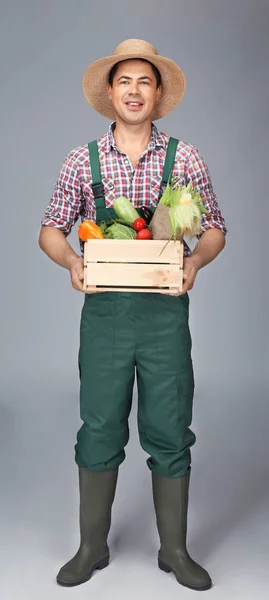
{"points": [[133, 266]]}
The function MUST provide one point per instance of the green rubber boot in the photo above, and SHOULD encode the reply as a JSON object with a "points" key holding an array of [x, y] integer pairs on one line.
{"points": [[170, 497], [97, 492]]}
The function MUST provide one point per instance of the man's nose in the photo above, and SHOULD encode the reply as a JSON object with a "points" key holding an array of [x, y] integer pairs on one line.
{"points": [[133, 88]]}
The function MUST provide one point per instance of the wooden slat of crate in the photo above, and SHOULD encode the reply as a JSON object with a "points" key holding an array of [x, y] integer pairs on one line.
{"points": [[133, 251], [133, 265], [134, 275], [92, 288]]}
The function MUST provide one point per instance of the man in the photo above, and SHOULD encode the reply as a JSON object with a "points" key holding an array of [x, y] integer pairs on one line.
{"points": [[124, 332]]}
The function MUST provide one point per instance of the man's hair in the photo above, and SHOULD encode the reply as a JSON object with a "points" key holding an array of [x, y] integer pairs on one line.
{"points": [[156, 71]]}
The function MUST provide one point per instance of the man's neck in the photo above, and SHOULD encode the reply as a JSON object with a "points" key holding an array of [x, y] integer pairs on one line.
{"points": [[132, 136]]}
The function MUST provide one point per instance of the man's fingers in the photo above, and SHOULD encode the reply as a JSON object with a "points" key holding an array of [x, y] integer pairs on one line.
{"points": [[79, 288], [185, 287], [77, 281]]}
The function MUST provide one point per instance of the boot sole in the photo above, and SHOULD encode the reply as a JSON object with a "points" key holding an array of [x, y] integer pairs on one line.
{"points": [[164, 567], [102, 564]]}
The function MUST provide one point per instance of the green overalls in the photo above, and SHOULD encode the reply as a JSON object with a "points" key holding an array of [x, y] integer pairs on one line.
{"points": [[126, 332]]}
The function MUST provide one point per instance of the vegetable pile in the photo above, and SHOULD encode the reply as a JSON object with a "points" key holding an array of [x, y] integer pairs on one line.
{"points": [[178, 214], [128, 226]]}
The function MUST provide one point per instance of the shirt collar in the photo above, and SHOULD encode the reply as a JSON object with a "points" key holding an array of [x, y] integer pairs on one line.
{"points": [[157, 139]]}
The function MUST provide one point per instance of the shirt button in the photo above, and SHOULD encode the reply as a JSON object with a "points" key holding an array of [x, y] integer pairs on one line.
{"points": [[126, 161]]}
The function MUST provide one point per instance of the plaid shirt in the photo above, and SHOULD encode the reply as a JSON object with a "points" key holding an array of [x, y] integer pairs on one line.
{"points": [[73, 196]]}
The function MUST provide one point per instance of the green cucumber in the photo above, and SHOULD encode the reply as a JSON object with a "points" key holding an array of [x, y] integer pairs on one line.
{"points": [[125, 210]]}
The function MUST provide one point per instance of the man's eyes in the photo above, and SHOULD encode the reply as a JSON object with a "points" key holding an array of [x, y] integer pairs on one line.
{"points": [[143, 82]]}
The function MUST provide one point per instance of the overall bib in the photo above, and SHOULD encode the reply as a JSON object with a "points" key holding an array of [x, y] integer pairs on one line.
{"points": [[123, 333]]}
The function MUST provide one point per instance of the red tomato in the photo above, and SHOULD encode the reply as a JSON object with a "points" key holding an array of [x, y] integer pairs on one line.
{"points": [[144, 234], [139, 224]]}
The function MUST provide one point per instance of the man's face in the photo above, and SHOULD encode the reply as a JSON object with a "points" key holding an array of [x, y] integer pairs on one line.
{"points": [[134, 91]]}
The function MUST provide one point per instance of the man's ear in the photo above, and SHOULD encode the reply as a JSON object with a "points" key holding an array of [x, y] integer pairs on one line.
{"points": [[108, 90], [159, 93]]}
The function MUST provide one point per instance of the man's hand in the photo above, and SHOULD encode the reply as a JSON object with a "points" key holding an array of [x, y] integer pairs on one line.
{"points": [[54, 243], [190, 270], [210, 244], [77, 274]]}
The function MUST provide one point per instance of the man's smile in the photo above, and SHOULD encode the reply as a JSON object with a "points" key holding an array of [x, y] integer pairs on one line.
{"points": [[134, 104]]}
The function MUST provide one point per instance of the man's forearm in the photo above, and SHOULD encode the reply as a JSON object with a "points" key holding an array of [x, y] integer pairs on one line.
{"points": [[54, 243], [209, 246]]}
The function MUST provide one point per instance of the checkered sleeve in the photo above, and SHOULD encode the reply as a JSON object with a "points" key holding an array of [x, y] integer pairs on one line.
{"points": [[65, 204], [198, 174]]}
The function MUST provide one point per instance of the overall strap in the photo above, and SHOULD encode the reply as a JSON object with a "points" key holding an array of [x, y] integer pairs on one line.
{"points": [[97, 186], [169, 162]]}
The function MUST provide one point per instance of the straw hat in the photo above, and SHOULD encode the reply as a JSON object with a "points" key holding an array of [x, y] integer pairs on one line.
{"points": [[95, 78]]}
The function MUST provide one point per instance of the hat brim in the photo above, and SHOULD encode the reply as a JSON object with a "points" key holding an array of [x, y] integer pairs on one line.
{"points": [[95, 80]]}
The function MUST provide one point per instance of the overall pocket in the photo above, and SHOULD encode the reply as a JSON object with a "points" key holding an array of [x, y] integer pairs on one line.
{"points": [[186, 386]]}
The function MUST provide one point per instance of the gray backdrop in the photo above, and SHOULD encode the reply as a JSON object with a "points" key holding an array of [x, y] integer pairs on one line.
{"points": [[223, 49]]}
